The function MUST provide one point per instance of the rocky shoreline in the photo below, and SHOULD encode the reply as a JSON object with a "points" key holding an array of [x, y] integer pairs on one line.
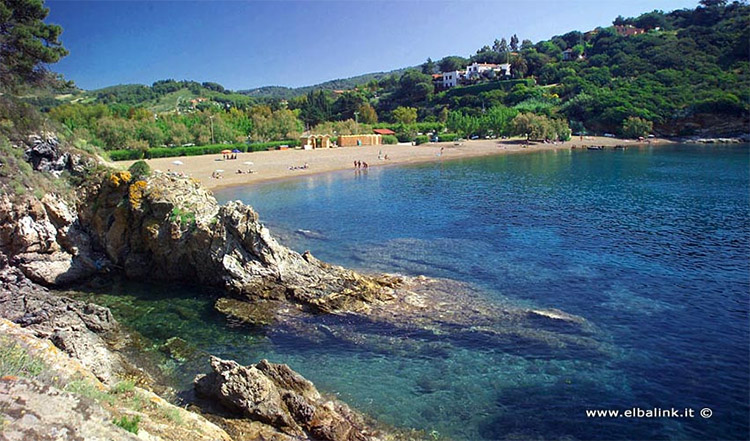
{"points": [[164, 227]]}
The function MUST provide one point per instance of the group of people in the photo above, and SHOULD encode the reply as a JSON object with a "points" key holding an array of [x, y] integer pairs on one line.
{"points": [[302, 167], [381, 157], [230, 156], [360, 164], [240, 172]]}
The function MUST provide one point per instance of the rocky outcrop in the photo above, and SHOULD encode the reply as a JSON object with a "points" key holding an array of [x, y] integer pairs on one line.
{"points": [[35, 411], [168, 227], [276, 395], [55, 396], [85, 331], [44, 239]]}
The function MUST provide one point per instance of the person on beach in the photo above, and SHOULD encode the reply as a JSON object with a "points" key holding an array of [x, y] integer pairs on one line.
{"points": [[355, 164]]}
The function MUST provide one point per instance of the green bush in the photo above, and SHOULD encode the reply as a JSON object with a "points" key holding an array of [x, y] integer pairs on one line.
{"points": [[447, 137], [122, 387], [421, 139], [129, 424], [389, 139], [125, 155], [139, 169]]}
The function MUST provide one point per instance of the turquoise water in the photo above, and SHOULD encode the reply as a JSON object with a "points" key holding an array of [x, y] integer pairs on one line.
{"points": [[649, 245]]}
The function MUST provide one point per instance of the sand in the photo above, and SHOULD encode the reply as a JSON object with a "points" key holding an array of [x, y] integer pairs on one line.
{"points": [[275, 165]]}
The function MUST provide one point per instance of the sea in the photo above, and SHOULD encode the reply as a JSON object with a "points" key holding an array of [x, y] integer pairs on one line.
{"points": [[651, 245]]}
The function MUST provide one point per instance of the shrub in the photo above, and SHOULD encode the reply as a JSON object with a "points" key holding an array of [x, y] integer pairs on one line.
{"points": [[389, 139], [421, 139], [89, 390], [448, 137], [634, 127], [139, 169], [129, 424], [125, 155]]}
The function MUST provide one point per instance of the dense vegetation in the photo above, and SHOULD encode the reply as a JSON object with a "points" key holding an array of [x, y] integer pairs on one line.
{"points": [[686, 73]]}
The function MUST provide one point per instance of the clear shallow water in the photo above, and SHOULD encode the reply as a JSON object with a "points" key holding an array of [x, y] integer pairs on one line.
{"points": [[650, 245]]}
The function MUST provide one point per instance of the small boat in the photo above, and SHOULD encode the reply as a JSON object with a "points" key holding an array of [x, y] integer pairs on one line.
{"points": [[595, 147]]}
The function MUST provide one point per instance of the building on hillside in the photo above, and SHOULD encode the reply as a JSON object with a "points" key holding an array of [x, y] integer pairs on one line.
{"points": [[476, 70], [437, 81], [309, 142], [628, 30], [452, 79], [359, 140], [567, 55]]}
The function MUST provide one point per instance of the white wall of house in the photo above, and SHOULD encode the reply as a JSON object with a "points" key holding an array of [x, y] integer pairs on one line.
{"points": [[450, 79]]}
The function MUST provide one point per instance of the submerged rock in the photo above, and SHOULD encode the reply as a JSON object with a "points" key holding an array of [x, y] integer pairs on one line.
{"points": [[276, 395]]}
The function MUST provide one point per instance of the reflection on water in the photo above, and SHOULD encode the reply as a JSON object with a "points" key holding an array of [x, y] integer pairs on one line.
{"points": [[649, 245]]}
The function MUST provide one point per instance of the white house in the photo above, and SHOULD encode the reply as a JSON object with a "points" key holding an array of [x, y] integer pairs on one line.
{"points": [[451, 79], [475, 70]]}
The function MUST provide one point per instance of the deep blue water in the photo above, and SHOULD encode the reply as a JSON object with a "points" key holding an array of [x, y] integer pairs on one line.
{"points": [[651, 245]]}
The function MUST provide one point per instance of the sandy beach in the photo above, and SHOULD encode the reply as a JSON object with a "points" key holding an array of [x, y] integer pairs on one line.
{"points": [[274, 165]]}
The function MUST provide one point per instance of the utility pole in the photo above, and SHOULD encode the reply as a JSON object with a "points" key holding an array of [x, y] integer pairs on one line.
{"points": [[356, 117]]}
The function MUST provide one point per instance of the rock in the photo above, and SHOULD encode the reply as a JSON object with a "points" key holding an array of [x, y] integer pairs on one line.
{"points": [[45, 241], [171, 228], [276, 395], [84, 331], [35, 411]]}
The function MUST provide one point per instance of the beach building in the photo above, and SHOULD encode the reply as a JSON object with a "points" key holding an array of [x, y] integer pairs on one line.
{"points": [[309, 142], [359, 140]]}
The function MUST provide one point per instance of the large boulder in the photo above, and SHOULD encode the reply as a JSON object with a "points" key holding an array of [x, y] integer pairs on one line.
{"points": [[276, 395], [169, 227]]}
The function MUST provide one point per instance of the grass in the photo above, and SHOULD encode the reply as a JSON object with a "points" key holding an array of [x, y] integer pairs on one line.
{"points": [[16, 361], [129, 424], [185, 217], [122, 387], [86, 389]]}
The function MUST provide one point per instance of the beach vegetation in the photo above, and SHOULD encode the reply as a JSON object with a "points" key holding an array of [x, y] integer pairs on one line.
{"points": [[634, 127]]}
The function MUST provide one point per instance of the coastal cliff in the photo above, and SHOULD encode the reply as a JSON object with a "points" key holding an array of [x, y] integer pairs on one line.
{"points": [[166, 227]]}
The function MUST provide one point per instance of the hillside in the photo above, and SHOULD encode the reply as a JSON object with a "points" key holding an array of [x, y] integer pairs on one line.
{"points": [[678, 73], [282, 92]]}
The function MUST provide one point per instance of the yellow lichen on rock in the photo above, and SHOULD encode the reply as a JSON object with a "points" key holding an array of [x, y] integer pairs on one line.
{"points": [[119, 178], [135, 193]]}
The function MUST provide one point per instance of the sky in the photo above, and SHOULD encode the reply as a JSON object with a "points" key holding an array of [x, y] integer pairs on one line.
{"points": [[248, 44]]}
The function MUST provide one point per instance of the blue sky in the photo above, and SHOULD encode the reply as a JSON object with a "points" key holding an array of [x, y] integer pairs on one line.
{"points": [[246, 44]]}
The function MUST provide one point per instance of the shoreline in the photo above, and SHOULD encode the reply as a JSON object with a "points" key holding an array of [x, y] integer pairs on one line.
{"points": [[275, 165]]}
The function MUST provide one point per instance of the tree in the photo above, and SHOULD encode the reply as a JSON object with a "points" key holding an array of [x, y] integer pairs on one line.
{"points": [[634, 127], [428, 67], [27, 44], [405, 115], [539, 127], [452, 63], [414, 87], [317, 108], [514, 43], [367, 114]]}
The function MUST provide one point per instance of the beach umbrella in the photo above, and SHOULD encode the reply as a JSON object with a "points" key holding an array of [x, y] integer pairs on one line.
{"points": [[248, 163], [226, 152], [236, 151], [177, 162]]}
